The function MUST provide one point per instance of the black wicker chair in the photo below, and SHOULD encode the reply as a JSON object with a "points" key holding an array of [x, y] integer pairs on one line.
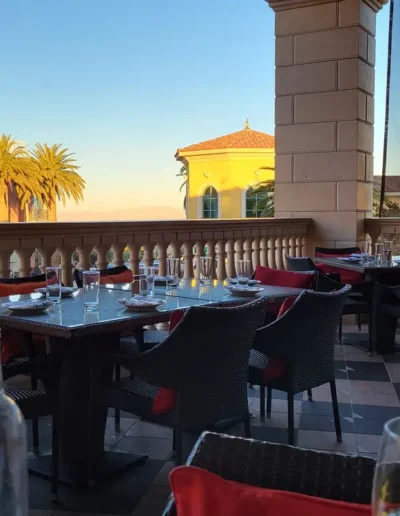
{"points": [[386, 301], [204, 359], [277, 466], [304, 339]]}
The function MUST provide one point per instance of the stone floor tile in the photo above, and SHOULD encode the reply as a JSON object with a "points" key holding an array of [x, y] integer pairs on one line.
{"points": [[159, 449], [323, 393], [125, 425], [359, 355], [368, 443], [368, 371], [324, 408], [394, 371], [144, 429], [276, 406], [277, 420], [325, 423], [326, 441], [153, 502], [360, 386], [162, 479], [376, 398]]}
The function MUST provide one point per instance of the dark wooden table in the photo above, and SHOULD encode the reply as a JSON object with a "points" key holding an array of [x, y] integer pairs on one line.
{"points": [[76, 334], [371, 271]]}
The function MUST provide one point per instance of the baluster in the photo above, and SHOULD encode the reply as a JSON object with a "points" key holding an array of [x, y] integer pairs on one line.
{"points": [[175, 249], [278, 253], [84, 252], [134, 258], [285, 251], [304, 247], [221, 271], [118, 250], [299, 247], [24, 256], [211, 254], [4, 264], [238, 253], [271, 253], [66, 264], [256, 253], [188, 256], [45, 257], [264, 251], [102, 251], [230, 259], [148, 258], [162, 257], [247, 249], [199, 251]]}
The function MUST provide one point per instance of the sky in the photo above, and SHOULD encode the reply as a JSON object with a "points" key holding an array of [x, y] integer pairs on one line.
{"points": [[123, 84]]}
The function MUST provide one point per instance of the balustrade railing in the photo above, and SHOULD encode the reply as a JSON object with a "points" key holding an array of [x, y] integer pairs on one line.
{"points": [[73, 244], [384, 228]]}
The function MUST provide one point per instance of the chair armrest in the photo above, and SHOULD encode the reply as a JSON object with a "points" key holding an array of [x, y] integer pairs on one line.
{"points": [[276, 466]]}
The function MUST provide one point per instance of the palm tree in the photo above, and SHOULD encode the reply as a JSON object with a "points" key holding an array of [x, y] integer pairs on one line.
{"points": [[183, 173], [59, 175], [19, 181], [265, 203]]}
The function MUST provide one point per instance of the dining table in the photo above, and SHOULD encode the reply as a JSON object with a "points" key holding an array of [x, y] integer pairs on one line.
{"points": [[75, 334]]}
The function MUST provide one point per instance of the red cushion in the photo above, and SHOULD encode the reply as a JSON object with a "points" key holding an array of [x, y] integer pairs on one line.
{"points": [[346, 276], [12, 289], [200, 493], [166, 398], [280, 278], [123, 277], [288, 303]]}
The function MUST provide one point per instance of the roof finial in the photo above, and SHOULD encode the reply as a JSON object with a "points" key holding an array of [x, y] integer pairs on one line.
{"points": [[246, 125]]}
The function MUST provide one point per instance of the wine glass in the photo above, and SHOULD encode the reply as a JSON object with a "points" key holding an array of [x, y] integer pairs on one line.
{"points": [[386, 489], [243, 272]]}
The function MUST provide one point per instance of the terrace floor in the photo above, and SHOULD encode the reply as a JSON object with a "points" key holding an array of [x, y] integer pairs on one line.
{"points": [[368, 393]]}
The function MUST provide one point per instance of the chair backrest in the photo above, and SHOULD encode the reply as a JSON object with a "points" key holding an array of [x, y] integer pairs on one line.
{"points": [[336, 251], [302, 264], [111, 271], [305, 337], [205, 359], [38, 278]]}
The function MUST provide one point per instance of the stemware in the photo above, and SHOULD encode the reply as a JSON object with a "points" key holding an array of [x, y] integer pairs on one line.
{"points": [[53, 284], [364, 248], [243, 272], [388, 247], [206, 263], [173, 274], [147, 276], [386, 488]]}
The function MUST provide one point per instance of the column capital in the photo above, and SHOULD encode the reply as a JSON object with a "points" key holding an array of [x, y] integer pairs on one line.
{"points": [[283, 5]]}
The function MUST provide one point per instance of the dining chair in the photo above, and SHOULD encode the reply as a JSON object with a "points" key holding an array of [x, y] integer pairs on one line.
{"points": [[201, 366], [296, 352], [386, 301]]}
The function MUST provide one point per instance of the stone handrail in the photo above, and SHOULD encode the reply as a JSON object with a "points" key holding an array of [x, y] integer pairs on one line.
{"points": [[388, 227], [263, 241]]}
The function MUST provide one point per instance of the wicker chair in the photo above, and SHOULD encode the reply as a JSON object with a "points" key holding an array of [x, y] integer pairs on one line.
{"points": [[204, 360], [386, 301], [304, 339], [277, 466]]}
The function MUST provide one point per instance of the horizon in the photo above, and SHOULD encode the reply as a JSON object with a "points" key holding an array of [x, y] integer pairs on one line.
{"points": [[124, 86]]}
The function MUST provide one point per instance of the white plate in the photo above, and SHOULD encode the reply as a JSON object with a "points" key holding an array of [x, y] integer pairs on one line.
{"points": [[244, 292], [252, 282], [32, 306], [351, 259], [140, 303], [65, 291]]}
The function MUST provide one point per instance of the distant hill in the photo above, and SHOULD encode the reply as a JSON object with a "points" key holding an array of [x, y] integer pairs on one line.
{"points": [[134, 213]]}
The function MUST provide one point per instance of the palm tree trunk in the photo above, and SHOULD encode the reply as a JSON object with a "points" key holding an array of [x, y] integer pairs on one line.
{"points": [[13, 205], [4, 216], [52, 211]]}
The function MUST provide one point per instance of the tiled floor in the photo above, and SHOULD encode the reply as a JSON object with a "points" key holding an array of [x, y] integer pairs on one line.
{"points": [[368, 392]]}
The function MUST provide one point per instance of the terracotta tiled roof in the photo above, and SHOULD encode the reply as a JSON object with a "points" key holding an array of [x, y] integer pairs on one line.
{"points": [[244, 139], [392, 184]]}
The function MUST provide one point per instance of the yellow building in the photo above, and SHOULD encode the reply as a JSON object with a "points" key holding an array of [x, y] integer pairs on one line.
{"points": [[221, 173]]}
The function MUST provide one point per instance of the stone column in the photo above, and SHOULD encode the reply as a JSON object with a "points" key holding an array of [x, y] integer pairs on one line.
{"points": [[324, 114]]}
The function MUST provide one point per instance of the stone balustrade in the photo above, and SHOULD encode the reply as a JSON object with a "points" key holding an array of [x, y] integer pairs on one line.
{"points": [[263, 241], [385, 227]]}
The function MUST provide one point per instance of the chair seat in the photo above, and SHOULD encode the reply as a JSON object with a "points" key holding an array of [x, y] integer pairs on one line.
{"points": [[263, 369], [32, 403], [353, 306], [15, 366]]}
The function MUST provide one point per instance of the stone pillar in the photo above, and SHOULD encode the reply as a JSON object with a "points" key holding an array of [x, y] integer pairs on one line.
{"points": [[324, 114]]}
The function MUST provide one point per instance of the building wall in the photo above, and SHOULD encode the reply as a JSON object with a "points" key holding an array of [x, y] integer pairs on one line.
{"points": [[230, 173]]}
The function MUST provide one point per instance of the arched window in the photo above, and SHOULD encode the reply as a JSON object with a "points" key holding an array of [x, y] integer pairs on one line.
{"points": [[256, 201], [210, 203]]}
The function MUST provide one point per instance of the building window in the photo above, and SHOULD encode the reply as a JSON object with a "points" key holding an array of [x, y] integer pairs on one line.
{"points": [[210, 203], [255, 202]]}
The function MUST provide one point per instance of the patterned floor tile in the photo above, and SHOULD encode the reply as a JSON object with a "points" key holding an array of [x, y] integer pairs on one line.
{"points": [[125, 425], [372, 412], [368, 443], [369, 371], [159, 449], [375, 399], [326, 441], [360, 386], [325, 423], [394, 371], [324, 408], [162, 479], [392, 358], [153, 502], [143, 429], [396, 387], [272, 435], [323, 393], [277, 420], [369, 426]]}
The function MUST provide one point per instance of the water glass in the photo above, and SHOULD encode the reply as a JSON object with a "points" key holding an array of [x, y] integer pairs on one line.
{"points": [[379, 253], [206, 263], [147, 275], [388, 248], [173, 273], [386, 488], [364, 248], [243, 272], [91, 289], [53, 284]]}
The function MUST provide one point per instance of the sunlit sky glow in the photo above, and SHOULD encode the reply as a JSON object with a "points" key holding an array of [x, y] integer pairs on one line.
{"points": [[125, 83]]}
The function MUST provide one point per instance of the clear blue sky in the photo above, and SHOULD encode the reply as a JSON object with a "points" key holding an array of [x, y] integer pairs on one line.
{"points": [[124, 83]]}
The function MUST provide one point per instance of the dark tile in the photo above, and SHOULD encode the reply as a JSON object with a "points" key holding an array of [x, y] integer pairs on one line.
{"points": [[358, 340], [372, 371], [45, 433], [341, 374], [397, 388], [375, 412], [272, 435], [155, 448], [340, 364], [276, 395], [324, 423], [392, 358], [118, 495], [369, 426], [324, 408]]}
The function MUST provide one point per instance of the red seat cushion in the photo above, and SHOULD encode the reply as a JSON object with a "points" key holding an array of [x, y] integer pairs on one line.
{"points": [[200, 493], [347, 277], [123, 277], [166, 398], [279, 278]]}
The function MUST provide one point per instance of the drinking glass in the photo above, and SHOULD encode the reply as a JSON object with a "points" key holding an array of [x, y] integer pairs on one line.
{"points": [[243, 272], [53, 284], [173, 273], [386, 488], [147, 275], [364, 248], [206, 263], [379, 253], [388, 247], [91, 289]]}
